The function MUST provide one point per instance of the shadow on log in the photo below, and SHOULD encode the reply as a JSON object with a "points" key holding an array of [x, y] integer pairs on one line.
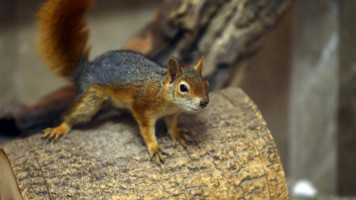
{"points": [[235, 158]]}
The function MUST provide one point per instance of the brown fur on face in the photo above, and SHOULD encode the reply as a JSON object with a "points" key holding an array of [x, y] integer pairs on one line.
{"points": [[198, 87], [196, 97]]}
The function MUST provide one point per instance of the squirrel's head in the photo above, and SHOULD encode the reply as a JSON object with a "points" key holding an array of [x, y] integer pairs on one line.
{"points": [[189, 88]]}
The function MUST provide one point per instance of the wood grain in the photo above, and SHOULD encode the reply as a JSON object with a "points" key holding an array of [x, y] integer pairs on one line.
{"points": [[235, 157]]}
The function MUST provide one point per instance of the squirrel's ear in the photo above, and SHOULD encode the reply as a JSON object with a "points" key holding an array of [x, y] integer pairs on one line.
{"points": [[199, 66], [174, 69]]}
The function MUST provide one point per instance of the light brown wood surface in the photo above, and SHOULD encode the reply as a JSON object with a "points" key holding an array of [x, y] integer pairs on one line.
{"points": [[235, 157]]}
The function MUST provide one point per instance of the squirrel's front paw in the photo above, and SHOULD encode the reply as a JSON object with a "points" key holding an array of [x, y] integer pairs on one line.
{"points": [[156, 153], [181, 135], [55, 133]]}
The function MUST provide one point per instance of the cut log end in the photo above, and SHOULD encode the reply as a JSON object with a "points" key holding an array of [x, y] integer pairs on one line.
{"points": [[235, 157], [8, 185]]}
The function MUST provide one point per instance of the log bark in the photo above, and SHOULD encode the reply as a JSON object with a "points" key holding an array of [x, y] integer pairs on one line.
{"points": [[235, 157], [20, 119], [224, 31]]}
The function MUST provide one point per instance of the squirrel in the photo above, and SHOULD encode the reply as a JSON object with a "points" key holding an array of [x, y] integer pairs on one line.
{"points": [[126, 79]]}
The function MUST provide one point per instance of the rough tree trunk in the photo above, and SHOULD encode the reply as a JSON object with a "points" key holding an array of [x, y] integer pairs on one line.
{"points": [[224, 31], [235, 157]]}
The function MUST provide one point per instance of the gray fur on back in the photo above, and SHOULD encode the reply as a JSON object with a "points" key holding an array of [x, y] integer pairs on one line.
{"points": [[118, 68]]}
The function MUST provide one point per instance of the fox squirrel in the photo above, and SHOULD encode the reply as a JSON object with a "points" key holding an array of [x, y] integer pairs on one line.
{"points": [[126, 79]]}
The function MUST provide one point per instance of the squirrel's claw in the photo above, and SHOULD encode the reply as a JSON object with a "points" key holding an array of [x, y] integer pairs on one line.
{"points": [[55, 133], [157, 157], [51, 133], [46, 132], [156, 154], [181, 135]]}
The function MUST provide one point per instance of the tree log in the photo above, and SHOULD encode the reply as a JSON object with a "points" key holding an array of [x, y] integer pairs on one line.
{"points": [[234, 157], [224, 31], [20, 119]]}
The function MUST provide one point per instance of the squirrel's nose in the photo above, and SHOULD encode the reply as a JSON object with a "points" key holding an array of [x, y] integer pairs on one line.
{"points": [[203, 104]]}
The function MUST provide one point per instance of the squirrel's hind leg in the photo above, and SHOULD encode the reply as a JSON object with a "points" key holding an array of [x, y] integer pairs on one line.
{"points": [[81, 111]]}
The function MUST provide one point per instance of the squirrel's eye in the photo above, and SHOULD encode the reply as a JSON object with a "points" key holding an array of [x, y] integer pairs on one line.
{"points": [[183, 88]]}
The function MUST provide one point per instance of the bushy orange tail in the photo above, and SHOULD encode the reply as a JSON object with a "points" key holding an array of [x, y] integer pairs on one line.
{"points": [[63, 34]]}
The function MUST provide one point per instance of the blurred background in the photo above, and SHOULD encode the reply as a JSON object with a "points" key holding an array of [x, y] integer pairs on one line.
{"points": [[302, 79]]}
